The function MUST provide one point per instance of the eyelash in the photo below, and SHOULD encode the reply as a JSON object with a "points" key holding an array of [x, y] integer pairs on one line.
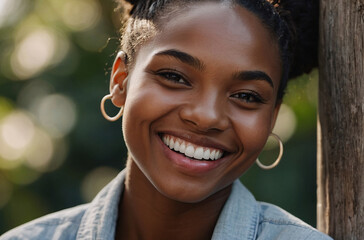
{"points": [[173, 77], [245, 96]]}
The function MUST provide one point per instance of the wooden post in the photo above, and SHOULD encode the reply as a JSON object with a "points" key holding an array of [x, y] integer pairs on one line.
{"points": [[341, 118]]}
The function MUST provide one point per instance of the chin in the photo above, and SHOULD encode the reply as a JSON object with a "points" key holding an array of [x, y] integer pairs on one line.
{"points": [[192, 192]]}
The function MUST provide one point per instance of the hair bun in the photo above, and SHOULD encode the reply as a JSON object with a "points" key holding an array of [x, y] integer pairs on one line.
{"points": [[127, 7], [133, 2], [304, 16]]}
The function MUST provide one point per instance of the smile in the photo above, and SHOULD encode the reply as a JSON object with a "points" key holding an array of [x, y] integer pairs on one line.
{"points": [[191, 150]]}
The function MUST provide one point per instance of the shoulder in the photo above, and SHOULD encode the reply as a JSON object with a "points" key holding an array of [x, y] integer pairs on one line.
{"points": [[63, 224], [276, 223], [242, 217]]}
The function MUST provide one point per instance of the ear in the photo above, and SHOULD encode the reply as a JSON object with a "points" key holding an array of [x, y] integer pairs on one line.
{"points": [[118, 80], [275, 114]]}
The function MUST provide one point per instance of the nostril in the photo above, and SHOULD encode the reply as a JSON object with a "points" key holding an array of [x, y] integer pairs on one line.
{"points": [[205, 122], [205, 113]]}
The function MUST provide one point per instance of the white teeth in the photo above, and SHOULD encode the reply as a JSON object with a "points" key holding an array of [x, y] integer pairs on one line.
{"points": [[212, 155], [191, 150], [206, 154], [171, 143], [198, 153], [176, 146], [166, 140], [182, 148]]}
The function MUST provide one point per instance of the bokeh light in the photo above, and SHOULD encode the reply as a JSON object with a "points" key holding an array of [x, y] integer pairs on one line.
{"points": [[32, 93], [16, 133], [95, 181], [36, 51], [17, 130], [57, 113], [10, 11], [33, 53], [22, 141], [285, 123], [80, 15], [41, 152]]}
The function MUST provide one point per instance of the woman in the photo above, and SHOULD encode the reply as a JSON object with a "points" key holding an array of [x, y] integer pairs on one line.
{"points": [[199, 85]]}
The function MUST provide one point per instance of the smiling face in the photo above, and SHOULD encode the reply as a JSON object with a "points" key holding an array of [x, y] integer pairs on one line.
{"points": [[201, 100]]}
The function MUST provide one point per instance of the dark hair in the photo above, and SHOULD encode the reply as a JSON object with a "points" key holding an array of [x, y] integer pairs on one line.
{"points": [[293, 24]]}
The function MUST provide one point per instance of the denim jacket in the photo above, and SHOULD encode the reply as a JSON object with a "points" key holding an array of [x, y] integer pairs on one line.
{"points": [[242, 217]]}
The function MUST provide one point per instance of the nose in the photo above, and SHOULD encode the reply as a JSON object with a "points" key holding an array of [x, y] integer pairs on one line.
{"points": [[205, 113]]}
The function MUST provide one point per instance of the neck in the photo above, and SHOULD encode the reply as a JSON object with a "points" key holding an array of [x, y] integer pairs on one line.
{"points": [[144, 213]]}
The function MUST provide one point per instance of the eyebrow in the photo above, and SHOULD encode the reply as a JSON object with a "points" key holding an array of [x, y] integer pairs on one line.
{"points": [[196, 63], [183, 57], [253, 75]]}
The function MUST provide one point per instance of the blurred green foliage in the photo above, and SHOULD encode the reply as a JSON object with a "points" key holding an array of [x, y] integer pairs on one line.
{"points": [[57, 151]]}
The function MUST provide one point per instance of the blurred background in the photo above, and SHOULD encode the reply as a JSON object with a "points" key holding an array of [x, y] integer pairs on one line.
{"points": [[57, 151]]}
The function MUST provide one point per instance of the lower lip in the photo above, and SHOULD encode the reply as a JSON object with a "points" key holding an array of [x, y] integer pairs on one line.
{"points": [[188, 165]]}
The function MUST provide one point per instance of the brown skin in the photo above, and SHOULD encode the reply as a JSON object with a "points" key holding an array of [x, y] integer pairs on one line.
{"points": [[209, 106]]}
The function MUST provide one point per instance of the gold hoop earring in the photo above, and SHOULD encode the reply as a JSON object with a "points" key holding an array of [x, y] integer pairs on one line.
{"points": [[267, 167], [102, 106]]}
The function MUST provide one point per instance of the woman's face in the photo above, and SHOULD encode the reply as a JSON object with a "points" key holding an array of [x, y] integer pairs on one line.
{"points": [[206, 86]]}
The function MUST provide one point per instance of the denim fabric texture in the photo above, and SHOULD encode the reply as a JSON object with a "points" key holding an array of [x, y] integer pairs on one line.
{"points": [[241, 218]]}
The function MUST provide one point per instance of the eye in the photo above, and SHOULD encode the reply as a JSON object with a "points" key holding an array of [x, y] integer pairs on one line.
{"points": [[248, 97], [173, 77]]}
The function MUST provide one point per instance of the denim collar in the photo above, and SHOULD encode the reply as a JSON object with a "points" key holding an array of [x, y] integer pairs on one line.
{"points": [[238, 220], [99, 220]]}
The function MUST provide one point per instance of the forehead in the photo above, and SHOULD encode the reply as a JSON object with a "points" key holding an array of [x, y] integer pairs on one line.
{"points": [[216, 31]]}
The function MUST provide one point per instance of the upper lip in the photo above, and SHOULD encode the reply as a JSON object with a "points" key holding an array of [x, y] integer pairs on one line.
{"points": [[199, 140]]}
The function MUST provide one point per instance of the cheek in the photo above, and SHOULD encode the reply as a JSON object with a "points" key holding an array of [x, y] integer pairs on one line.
{"points": [[139, 108], [253, 129], [145, 104]]}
